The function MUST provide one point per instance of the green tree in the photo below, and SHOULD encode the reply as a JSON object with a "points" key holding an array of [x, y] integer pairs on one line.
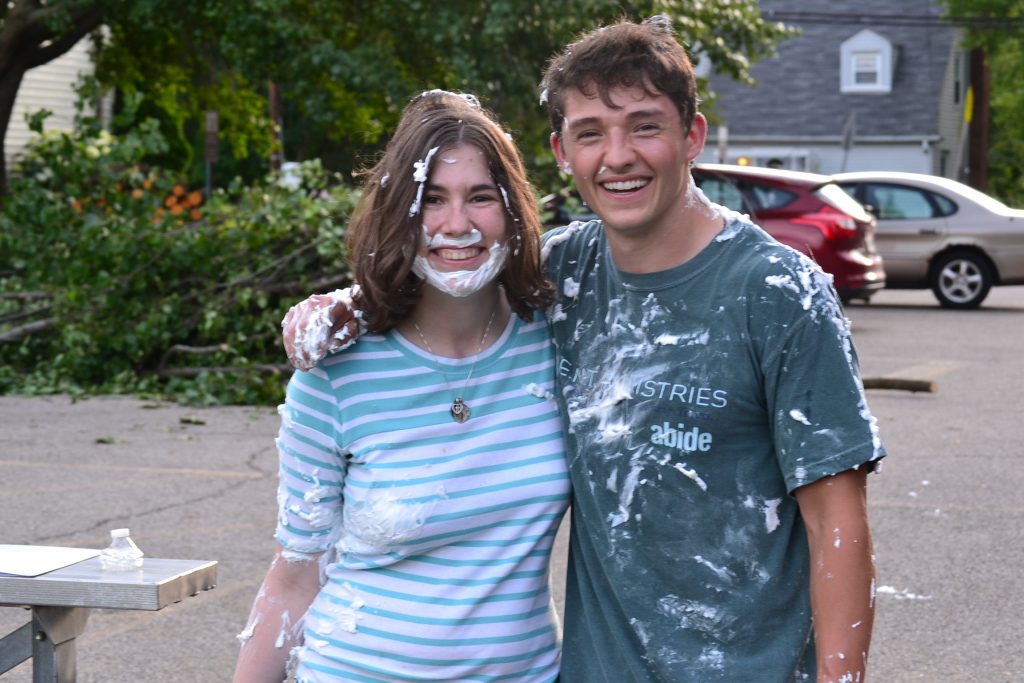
{"points": [[345, 69], [995, 27], [106, 286], [33, 33]]}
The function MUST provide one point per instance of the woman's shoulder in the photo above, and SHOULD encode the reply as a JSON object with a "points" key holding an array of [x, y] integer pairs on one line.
{"points": [[362, 355]]}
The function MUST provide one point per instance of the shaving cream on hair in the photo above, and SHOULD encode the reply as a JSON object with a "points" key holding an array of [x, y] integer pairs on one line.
{"points": [[419, 175]]}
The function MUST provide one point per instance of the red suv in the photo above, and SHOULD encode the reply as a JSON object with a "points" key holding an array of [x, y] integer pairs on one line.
{"points": [[807, 212]]}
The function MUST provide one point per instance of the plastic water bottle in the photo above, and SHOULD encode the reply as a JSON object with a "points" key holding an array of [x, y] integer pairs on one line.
{"points": [[122, 553]]}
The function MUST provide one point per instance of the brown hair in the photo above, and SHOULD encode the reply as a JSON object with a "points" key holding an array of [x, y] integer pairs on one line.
{"points": [[626, 54], [385, 230]]}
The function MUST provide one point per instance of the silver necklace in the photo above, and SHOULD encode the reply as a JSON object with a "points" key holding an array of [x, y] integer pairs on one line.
{"points": [[459, 409]]}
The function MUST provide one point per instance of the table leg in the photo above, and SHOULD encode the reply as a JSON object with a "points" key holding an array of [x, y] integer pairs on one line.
{"points": [[15, 648], [54, 630]]}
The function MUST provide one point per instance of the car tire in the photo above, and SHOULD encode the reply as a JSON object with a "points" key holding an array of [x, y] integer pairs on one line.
{"points": [[961, 279]]}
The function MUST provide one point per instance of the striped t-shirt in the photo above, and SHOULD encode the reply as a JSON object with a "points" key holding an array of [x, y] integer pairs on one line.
{"points": [[442, 530]]}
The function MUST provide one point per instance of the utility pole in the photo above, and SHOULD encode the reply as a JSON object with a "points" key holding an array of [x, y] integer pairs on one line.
{"points": [[977, 152], [847, 136], [211, 147]]}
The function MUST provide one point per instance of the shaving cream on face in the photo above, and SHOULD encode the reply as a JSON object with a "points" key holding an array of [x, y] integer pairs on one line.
{"points": [[459, 283], [439, 241]]}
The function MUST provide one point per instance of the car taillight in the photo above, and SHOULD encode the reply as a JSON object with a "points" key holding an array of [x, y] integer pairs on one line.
{"points": [[831, 222]]}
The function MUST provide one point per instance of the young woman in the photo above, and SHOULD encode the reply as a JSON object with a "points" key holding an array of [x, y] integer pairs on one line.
{"points": [[423, 472]]}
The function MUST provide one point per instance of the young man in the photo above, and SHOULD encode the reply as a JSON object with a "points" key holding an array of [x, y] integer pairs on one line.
{"points": [[718, 435]]}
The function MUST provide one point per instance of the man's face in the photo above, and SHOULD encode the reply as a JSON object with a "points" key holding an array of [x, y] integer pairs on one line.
{"points": [[631, 160]]}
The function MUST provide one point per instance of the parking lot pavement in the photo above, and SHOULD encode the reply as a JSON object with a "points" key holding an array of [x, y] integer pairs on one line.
{"points": [[200, 484], [946, 509], [190, 484]]}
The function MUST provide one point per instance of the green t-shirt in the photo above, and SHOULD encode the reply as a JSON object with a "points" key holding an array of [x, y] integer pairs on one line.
{"points": [[696, 400]]}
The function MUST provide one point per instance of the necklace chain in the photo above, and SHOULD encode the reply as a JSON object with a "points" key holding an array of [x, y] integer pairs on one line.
{"points": [[459, 409]]}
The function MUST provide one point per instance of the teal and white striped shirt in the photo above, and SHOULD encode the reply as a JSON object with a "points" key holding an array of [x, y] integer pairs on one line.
{"points": [[443, 531]]}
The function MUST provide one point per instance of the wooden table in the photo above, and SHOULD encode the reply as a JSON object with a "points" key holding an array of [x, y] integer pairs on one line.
{"points": [[60, 602]]}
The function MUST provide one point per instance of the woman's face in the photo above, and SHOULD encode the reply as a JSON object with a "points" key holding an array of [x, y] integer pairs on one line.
{"points": [[465, 222]]}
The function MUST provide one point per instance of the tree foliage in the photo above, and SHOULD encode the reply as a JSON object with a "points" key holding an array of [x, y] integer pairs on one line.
{"points": [[105, 286], [996, 27], [108, 284], [345, 69], [33, 33]]}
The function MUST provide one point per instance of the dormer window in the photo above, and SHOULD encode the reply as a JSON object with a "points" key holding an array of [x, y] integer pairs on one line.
{"points": [[866, 68], [866, 64]]}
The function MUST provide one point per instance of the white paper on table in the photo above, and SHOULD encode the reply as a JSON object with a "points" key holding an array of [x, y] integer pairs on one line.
{"points": [[33, 560]]}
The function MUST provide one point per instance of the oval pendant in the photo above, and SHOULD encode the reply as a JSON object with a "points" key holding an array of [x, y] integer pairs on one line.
{"points": [[459, 410]]}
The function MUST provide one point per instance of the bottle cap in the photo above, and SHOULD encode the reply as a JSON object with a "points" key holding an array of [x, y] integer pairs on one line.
{"points": [[119, 533]]}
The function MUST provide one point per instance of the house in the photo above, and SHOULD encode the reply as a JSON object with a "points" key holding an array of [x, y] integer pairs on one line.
{"points": [[865, 85], [50, 86]]}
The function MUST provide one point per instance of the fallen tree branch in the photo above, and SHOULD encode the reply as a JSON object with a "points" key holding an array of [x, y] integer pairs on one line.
{"points": [[194, 350], [194, 372], [8, 318], [184, 348], [914, 385], [25, 296], [295, 287], [254, 278], [18, 333]]}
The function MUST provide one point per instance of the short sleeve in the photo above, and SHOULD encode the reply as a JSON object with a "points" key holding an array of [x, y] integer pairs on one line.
{"points": [[821, 423], [312, 466]]}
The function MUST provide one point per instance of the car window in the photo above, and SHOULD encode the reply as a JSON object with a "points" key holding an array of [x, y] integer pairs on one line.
{"points": [[841, 197], [894, 202], [722, 192], [768, 197], [947, 207]]}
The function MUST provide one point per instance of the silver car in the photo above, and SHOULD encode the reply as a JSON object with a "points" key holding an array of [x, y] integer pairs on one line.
{"points": [[938, 233]]}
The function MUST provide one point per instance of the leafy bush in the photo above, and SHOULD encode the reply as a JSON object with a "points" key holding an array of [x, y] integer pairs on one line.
{"points": [[115, 278]]}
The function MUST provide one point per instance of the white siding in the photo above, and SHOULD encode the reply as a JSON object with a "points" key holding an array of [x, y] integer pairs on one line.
{"points": [[50, 86], [915, 157], [951, 114]]}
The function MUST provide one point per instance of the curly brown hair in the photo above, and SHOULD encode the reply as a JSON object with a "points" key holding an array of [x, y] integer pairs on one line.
{"points": [[626, 54], [386, 226]]}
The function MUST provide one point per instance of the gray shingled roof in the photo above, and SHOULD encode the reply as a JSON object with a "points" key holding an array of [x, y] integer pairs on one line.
{"points": [[798, 90]]}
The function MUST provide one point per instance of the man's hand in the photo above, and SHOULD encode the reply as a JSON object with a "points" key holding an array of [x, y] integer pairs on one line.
{"points": [[321, 324]]}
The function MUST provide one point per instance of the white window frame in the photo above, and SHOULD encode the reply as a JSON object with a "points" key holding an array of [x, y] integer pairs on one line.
{"points": [[866, 53], [866, 64]]}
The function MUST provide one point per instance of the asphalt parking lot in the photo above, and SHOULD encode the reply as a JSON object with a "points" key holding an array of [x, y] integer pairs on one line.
{"points": [[946, 508]]}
